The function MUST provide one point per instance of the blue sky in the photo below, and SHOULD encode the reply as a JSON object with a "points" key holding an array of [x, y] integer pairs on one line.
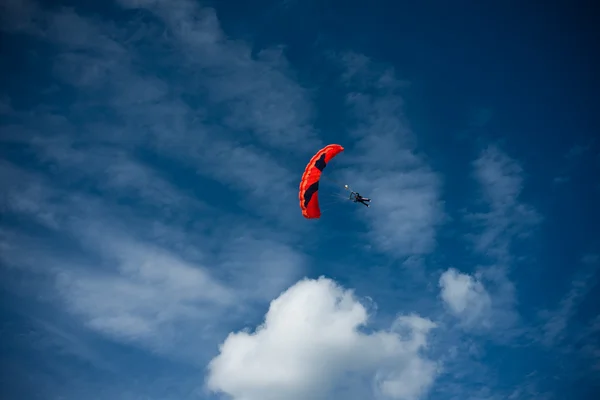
{"points": [[152, 243]]}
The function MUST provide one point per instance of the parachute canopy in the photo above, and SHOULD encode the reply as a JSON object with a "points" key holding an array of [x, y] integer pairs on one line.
{"points": [[309, 185]]}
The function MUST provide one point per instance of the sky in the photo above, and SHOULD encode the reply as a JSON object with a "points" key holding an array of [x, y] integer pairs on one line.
{"points": [[151, 240]]}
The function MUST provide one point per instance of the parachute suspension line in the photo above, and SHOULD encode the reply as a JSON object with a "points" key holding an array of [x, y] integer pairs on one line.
{"points": [[328, 204], [330, 200], [335, 182], [337, 196]]}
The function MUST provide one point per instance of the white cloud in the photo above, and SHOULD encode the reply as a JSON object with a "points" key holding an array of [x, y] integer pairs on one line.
{"points": [[144, 112], [313, 342], [142, 258], [500, 177], [114, 172], [406, 206], [556, 322], [156, 286], [501, 180], [590, 350], [466, 297], [574, 159], [258, 90], [578, 150], [504, 220]]}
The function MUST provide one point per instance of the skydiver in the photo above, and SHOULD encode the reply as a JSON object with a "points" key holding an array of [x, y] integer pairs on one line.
{"points": [[359, 199]]}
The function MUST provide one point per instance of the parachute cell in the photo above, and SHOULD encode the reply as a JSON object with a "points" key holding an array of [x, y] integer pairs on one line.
{"points": [[309, 185]]}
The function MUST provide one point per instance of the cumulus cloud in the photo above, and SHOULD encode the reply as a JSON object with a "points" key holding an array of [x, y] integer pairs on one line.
{"points": [[465, 296], [314, 341]]}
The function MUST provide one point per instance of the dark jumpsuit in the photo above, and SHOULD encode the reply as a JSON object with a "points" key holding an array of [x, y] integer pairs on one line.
{"points": [[361, 199]]}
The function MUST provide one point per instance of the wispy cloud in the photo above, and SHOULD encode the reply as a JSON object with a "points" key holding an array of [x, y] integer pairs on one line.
{"points": [[590, 349], [136, 254], [530, 388], [505, 220], [507, 217], [150, 290], [573, 160], [140, 291], [139, 112], [259, 92], [45, 333], [578, 150], [466, 297], [149, 197], [556, 322], [406, 207]]}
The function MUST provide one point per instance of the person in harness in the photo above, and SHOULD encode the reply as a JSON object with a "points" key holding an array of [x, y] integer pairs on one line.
{"points": [[357, 198]]}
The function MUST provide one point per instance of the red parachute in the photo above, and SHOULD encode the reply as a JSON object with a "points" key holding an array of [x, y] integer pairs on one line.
{"points": [[309, 185]]}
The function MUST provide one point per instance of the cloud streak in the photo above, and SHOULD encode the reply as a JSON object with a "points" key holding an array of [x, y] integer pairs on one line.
{"points": [[407, 208], [143, 257], [150, 195], [554, 329], [504, 220], [141, 113], [128, 287], [260, 93], [507, 217]]}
